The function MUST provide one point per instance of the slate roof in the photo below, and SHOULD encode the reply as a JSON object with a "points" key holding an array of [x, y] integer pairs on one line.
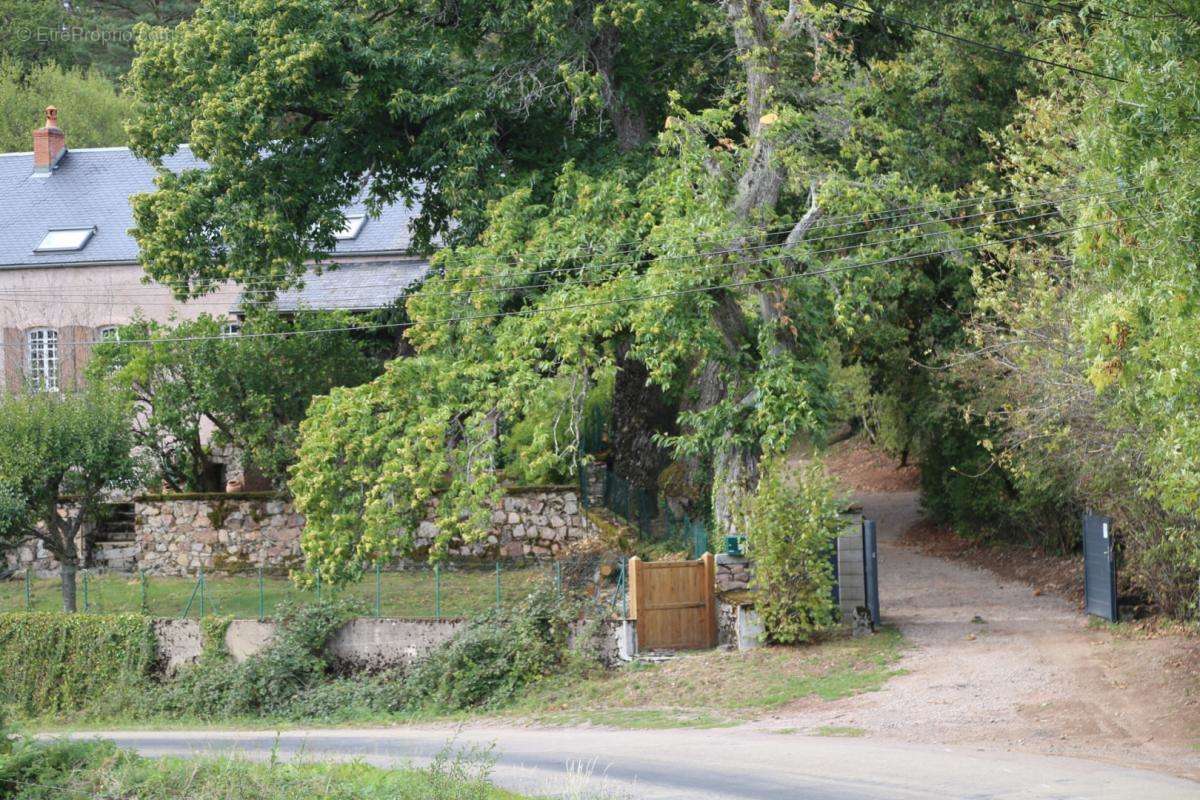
{"points": [[92, 187], [356, 286]]}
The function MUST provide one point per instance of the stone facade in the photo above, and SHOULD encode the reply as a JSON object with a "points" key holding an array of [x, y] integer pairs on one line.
{"points": [[177, 537]]}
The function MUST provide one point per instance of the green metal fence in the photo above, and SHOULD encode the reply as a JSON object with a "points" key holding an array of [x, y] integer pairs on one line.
{"points": [[649, 514], [415, 591]]}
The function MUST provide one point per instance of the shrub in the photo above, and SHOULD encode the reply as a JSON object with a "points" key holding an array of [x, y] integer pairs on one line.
{"points": [[495, 656], [55, 663], [793, 523], [268, 682]]}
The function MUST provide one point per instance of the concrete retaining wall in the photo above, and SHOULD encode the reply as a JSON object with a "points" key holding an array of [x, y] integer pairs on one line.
{"points": [[361, 645]]}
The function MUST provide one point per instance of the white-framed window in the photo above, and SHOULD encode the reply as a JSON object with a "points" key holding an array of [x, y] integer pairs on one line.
{"points": [[41, 359], [109, 333], [231, 328], [61, 240], [354, 225]]}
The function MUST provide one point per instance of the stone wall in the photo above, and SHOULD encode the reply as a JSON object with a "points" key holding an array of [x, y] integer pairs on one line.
{"points": [[224, 535], [529, 523], [734, 573]]}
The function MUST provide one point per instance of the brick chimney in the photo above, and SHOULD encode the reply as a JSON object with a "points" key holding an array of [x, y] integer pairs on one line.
{"points": [[49, 144]]}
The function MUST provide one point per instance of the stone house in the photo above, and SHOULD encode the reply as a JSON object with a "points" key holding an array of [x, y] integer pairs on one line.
{"points": [[69, 272]]}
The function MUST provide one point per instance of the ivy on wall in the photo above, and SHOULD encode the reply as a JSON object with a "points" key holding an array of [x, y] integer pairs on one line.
{"points": [[54, 663]]}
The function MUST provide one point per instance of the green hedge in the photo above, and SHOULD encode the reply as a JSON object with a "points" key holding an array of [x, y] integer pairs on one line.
{"points": [[53, 663]]}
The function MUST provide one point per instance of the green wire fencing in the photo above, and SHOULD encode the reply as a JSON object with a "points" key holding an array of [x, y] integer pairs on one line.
{"points": [[447, 591], [650, 515]]}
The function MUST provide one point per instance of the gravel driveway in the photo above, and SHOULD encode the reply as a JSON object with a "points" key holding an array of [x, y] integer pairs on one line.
{"points": [[995, 665]]}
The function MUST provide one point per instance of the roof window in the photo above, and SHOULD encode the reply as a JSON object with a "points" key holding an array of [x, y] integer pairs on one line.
{"points": [[62, 240], [354, 224]]}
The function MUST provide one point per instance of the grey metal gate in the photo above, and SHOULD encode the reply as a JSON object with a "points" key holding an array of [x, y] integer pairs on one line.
{"points": [[856, 570], [1099, 567]]}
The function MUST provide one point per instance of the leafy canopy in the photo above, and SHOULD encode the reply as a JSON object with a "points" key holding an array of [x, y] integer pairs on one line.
{"points": [[252, 390], [594, 171]]}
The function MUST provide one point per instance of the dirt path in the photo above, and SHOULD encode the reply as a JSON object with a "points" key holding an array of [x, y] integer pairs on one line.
{"points": [[1030, 675]]}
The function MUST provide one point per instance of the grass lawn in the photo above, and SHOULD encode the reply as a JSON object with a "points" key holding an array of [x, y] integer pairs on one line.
{"points": [[81, 770], [412, 593], [715, 688]]}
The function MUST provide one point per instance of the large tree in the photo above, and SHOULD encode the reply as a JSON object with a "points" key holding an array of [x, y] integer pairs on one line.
{"points": [[61, 458], [688, 188]]}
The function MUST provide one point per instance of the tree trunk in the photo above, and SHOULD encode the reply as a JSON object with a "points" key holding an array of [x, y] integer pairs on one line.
{"points": [[735, 476], [68, 570], [628, 123], [639, 411]]}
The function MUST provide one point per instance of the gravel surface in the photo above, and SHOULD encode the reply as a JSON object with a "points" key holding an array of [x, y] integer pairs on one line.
{"points": [[993, 664]]}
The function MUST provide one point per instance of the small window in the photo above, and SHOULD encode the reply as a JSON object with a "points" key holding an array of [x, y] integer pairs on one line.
{"points": [[109, 333], [41, 359], [231, 328], [64, 240], [354, 224]]}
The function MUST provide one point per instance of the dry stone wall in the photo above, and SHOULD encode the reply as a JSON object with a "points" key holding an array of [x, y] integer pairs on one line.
{"points": [[529, 523], [228, 534], [224, 535], [734, 573]]}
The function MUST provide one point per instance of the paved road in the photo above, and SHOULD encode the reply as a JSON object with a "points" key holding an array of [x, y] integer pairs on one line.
{"points": [[699, 765]]}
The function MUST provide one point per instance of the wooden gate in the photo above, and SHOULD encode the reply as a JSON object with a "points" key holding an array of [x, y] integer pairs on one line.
{"points": [[674, 603]]}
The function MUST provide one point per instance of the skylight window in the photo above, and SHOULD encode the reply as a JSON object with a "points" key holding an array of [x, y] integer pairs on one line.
{"points": [[64, 240], [354, 224]]}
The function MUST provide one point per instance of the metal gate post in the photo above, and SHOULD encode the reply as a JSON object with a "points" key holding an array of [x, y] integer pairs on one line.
{"points": [[871, 568], [1099, 568]]}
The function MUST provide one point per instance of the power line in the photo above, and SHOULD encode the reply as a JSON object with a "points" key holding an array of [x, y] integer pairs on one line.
{"points": [[48, 295], [635, 245], [57, 298], [630, 299], [995, 48]]}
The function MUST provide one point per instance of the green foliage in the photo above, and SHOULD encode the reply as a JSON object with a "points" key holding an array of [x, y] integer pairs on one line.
{"points": [[92, 35], [253, 390], [793, 522], [537, 449], [265, 684], [372, 460], [46, 770], [517, 87], [492, 659], [602, 153], [61, 663], [487, 664], [1141, 341], [90, 109], [53, 446], [61, 445]]}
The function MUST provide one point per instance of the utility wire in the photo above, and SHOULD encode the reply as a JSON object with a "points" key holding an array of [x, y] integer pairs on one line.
{"points": [[48, 297], [134, 292], [630, 299], [639, 245], [995, 48]]}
